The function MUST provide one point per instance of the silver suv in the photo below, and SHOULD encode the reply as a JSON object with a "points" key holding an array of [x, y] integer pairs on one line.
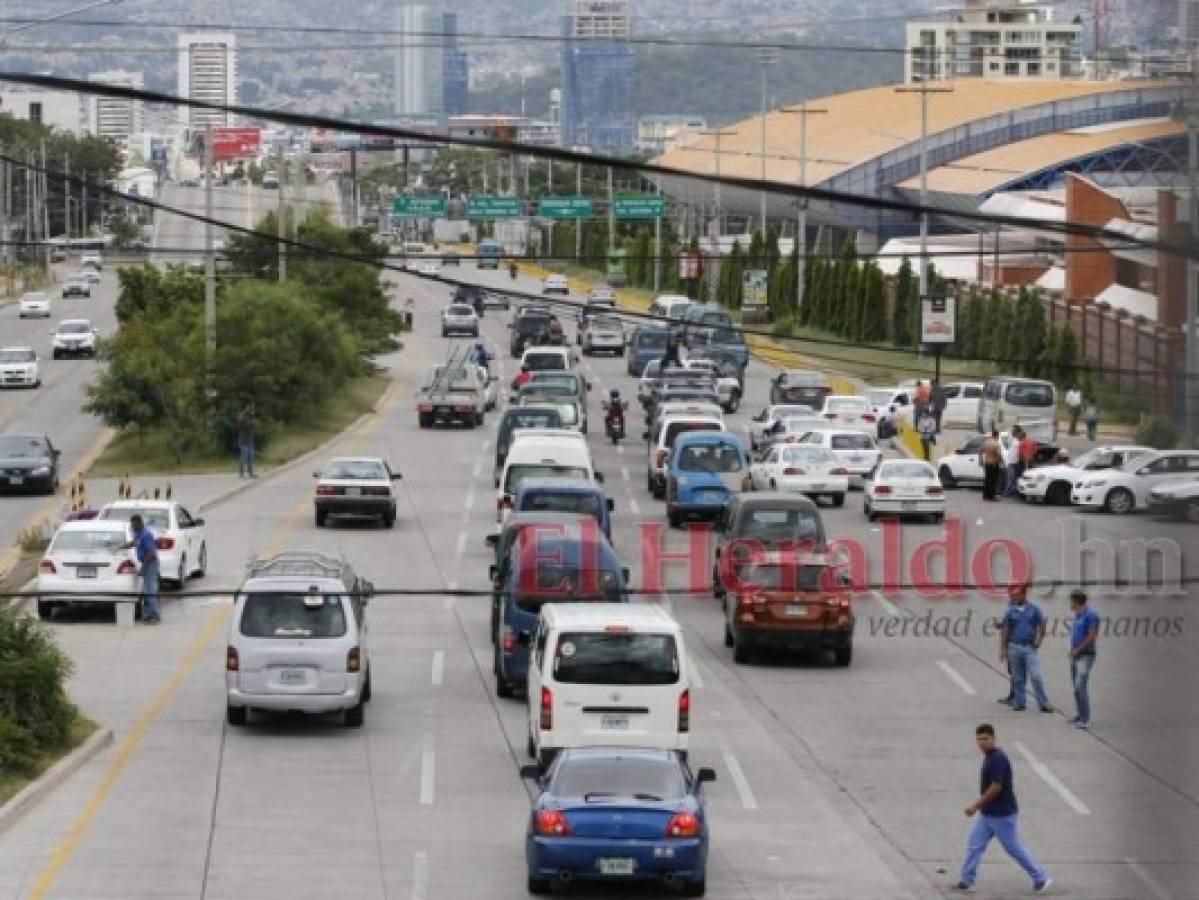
{"points": [[298, 639]]}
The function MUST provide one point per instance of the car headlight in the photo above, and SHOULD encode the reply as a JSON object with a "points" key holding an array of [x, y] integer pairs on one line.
{"points": [[40, 471]]}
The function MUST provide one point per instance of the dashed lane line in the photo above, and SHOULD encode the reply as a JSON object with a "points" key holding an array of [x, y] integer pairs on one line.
{"points": [[438, 672], [888, 607], [428, 764], [634, 507], [957, 678], [420, 875], [1053, 781], [1155, 887], [625, 473], [740, 782]]}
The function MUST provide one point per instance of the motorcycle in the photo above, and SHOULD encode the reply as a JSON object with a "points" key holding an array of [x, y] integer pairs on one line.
{"points": [[512, 271], [614, 420]]}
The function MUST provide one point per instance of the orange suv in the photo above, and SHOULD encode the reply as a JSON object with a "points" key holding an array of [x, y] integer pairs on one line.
{"points": [[788, 600]]}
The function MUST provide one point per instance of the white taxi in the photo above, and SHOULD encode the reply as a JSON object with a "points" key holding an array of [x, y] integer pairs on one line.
{"points": [[904, 487], [179, 536]]}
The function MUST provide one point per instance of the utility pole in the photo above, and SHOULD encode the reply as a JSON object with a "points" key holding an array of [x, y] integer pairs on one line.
{"points": [[1191, 369], [717, 132], [766, 58], [611, 215], [578, 222], [353, 187], [280, 223], [66, 198], [657, 240], [801, 229], [549, 190], [209, 257], [924, 89]]}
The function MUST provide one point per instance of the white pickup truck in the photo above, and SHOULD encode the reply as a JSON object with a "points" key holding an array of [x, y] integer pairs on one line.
{"points": [[453, 393]]}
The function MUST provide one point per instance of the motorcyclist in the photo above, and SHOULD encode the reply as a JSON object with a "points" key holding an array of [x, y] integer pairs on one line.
{"points": [[614, 409], [671, 358]]}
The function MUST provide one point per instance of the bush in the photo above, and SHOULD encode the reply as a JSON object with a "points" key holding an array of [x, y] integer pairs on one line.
{"points": [[1157, 431], [783, 326], [18, 749], [33, 539], [32, 699]]}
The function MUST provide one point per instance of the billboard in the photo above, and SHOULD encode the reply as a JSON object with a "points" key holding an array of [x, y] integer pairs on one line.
{"points": [[754, 283], [235, 143], [938, 320]]}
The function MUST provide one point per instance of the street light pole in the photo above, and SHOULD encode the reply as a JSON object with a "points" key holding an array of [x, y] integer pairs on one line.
{"points": [[717, 132], [209, 259], [924, 89], [801, 231], [765, 58]]}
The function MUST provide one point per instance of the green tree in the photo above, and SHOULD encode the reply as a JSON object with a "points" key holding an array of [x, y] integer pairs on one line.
{"points": [[900, 312]]}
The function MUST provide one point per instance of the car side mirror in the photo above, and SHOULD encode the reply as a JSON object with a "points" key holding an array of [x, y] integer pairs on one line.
{"points": [[492, 571], [531, 773], [491, 540], [397, 476], [705, 775], [645, 435], [525, 637], [316, 474], [611, 506], [197, 523], [599, 477]]}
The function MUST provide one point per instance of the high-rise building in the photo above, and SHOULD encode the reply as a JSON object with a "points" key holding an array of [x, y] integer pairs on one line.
{"points": [[115, 117], [1188, 23], [455, 68], [993, 39], [207, 71], [597, 76], [419, 63]]}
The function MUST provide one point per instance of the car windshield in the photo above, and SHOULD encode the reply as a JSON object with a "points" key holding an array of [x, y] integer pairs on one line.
{"points": [[461, 310], [1022, 394], [354, 469], [852, 442], [651, 340], [543, 379], [906, 470], [784, 412], [774, 576], [73, 327], [549, 583], [616, 657], [583, 503], [773, 525], [727, 336], [808, 455], [293, 616], [710, 458], [879, 398], [618, 776], [107, 540], [545, 361], [156, 519], [17, 356], [674, 429], [518, 473], [22, 448], [531, 418], [609, 323]]}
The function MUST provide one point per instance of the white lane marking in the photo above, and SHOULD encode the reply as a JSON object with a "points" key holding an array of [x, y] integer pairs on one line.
{"points": [[625, 474], [697, 679], [487, 444], [461, 546], [450, 601], [438, 673], [620, 449], [470, 495], [420, 875], [215, 601], [428, 763], [739, 780], [1052, 780], [478, 470], [634, 507], [1156, 888], [888, 607], [957, 678]]}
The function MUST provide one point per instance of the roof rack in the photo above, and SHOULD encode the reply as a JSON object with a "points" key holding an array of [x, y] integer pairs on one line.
{"points": [[302, 562]]}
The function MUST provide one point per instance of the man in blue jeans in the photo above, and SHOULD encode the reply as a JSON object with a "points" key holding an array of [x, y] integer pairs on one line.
{"points": [[996, 812], [1084, 633], [146, 549], [1019, 640]]}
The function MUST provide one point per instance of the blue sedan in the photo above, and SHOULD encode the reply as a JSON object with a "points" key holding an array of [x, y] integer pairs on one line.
{"points": [[618, 814]]}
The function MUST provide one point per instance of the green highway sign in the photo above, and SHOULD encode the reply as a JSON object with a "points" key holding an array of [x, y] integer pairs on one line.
{"points": [[564, 208], [492, 207], [427, 205], [638, 206]]}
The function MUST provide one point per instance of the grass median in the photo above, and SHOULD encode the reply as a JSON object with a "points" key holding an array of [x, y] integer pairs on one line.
{"points": [[11, 784], [152, 453]]}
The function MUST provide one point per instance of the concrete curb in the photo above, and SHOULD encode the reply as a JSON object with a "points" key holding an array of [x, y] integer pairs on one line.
{"points": [[36, 791]]}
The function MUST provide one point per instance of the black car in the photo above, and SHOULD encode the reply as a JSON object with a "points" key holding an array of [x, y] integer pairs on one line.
{"points": [[28, 463], [451, 259], [771, 520], [527, 326], [470, 294]]}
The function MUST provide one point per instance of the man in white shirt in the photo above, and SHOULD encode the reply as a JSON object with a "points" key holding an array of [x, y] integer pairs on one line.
{"points": [[1011, 461], [1074, 407]]}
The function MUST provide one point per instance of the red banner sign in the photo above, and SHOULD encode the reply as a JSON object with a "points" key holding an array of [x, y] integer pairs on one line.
{"points": [[235, 143]]}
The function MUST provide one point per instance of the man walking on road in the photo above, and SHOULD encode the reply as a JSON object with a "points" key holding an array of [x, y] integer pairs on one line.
{"points": [[937, 401], [1084, 633], [245, 441], [1019, 642], [990, 454], [1074, 408], [995, 815], [146, 549]]}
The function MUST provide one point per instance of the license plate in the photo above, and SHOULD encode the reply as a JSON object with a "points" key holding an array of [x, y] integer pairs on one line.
{"points": [[85, 571], [353, 492], [293, 676], [614, 723], [619, 866], [795, 609], [908, 504], [818, 485], [16, 479]]}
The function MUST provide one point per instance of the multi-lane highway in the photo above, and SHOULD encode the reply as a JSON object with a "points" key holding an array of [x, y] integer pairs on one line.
{"points": [[832, 783]]}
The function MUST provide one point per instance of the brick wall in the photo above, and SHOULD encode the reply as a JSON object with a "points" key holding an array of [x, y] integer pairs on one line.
{"points": [[1089, 271]]}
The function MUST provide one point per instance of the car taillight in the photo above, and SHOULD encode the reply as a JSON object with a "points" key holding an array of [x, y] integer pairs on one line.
{"points": [[839, 472], [551, 822], [327, 490], [48, 567], [354, 660], [660, 459], [547, 709], [127, 567], [934, 489], [463, 408], [867, 417], [682, 825], [164, 543], [794, 470], [508, 640], [881, 489], [424, 407], [232, 663], [376, 491], [830, 415], [684, 711]]}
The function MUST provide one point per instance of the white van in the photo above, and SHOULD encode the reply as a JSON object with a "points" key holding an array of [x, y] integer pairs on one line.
{"points": [[607, 674], [661, 442], [542, 453], [1008, 401], [670, 306]]}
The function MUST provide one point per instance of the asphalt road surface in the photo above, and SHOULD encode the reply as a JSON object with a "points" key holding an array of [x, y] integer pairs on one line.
{"points": [[833, 783]]}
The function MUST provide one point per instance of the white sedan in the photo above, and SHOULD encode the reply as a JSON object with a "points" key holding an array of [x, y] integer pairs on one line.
{"points": [[806, 470], [849, 411], [428, 267], [964, 466], [19, 367], [555, 284], [35, 304], [1127, 488], [904, 487], [727, 387], [961, 403], [459, 318], [85, 563], [856, 450], [882, 400], [1053, 484], [179, 536]]}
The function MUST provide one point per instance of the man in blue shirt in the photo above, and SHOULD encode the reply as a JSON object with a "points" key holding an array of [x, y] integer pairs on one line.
{"points": [[1084, 633], [1019, 640], [996, 811], [146, 549]]}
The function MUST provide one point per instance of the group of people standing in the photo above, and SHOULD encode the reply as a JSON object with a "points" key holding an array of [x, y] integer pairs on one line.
{"points": [[1088, 412], [1003, 465]]}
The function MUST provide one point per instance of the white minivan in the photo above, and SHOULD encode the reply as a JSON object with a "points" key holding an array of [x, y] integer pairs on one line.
{"points": [[607, 674], [541, 453], [670, 306], [1009, 401]]}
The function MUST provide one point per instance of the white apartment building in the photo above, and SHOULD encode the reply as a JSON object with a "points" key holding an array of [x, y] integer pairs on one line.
{"points": [[1188, 23], [115, 117], [207, 71], [998, 39], [419, 61], [657, 134]]}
